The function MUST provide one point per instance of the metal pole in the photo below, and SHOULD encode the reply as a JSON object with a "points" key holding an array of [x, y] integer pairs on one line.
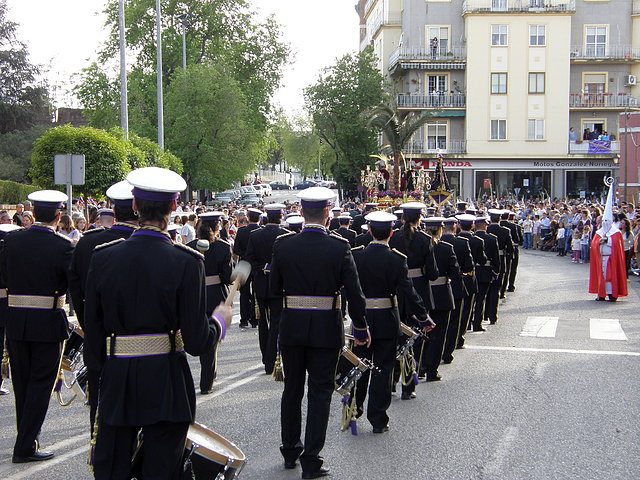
{"points": [[184, 46], [159, 76], [69, 159], [124, 109], [626, 145]]}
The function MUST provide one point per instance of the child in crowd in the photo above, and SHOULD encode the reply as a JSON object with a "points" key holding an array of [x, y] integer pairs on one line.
{"points": [[527, 227], [560, 240], [536, 232], [576, 246], [585, 242]]}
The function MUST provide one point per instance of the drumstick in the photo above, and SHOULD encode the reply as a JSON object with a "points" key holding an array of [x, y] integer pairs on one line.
{"points": [[239, 276]]}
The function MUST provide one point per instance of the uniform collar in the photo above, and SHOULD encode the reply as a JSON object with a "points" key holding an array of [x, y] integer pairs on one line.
{"points": [[43, 227], [312, 227], [382, 243], [152, 232], [127, 227]]}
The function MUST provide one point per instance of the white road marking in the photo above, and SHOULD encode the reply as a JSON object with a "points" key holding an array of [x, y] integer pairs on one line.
{"points": [[84, 436], [606, 329], [494, 467], [540, 327], [554, 350]]}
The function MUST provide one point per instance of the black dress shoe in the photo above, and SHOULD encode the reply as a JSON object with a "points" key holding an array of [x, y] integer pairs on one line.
{"points": [[381, 429], [600, 299], [34, 457], [290, 465], [479, 329], [447, 361], [323, 472], [461, 347], [492, 322], [205, 392], [511, 290], [408, 396], [434, 378], [503, 297], [612, 298]]}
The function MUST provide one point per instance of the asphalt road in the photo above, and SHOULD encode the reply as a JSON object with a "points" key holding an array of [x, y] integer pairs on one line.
{"points": [[538, 396]]}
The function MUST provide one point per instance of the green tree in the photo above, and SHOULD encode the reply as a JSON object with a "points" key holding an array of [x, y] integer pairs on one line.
{"points": [[23, 102], [106, 157], [148, 153], [398, 127], [15, 153], [336, 103], [207, 127]]}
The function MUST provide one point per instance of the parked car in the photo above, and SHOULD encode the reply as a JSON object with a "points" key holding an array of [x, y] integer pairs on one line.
{"points": [[279, 186], [250, 200], [305, 184], [249, 189], [261, 189]]}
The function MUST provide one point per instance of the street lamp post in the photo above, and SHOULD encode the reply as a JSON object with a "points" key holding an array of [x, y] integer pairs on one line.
{"points": [[124, 109], [186, 23], [626, 149], [159, 76]]}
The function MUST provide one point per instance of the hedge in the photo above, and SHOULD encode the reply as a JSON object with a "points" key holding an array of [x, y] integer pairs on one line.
{"points": [[12, 192]]}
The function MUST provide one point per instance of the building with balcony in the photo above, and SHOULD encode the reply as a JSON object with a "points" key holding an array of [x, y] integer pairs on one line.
{"points": [[505, 80]]}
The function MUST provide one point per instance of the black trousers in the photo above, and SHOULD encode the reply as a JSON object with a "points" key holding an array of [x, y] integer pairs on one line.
{"points": [[34, 368], [451, 339], [208, 368], [162, 451], [247, 306], [480, 310], [2, 329], [268, 330], [383, 354], [491, 305], [320, 364], [93, 387], [514, 268], [435, 346], [505, 276], [465, 319]]}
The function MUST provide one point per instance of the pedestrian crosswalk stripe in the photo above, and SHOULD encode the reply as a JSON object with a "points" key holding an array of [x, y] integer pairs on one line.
{"points": [[606, 329], [540, 327]]}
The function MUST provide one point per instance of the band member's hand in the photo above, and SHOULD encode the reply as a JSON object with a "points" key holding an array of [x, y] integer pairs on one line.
{"points": [[366, 341], [426, 328], [225, 312]]}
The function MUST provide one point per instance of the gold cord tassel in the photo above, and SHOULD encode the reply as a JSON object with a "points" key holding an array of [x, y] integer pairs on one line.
{"points": [[278, 373], [349, 413], [4, 369], [92, 442]]}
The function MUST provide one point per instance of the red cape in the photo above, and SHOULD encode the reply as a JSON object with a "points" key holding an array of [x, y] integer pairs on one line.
{"points": [[615, 268]]}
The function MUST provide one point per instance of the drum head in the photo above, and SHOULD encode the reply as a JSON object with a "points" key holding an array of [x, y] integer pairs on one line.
{"points": [[213, 446]]}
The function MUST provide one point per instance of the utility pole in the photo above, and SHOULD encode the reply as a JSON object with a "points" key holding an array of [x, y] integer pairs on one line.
{"points": [[124, 108], [159, 76], [626, 149], [186, 23]]}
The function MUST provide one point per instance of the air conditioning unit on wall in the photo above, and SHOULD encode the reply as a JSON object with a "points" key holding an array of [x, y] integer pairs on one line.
{"points": [[630, 80]]}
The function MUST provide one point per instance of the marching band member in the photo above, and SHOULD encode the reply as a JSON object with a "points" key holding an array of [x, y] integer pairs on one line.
{"points": [[33, 266], [505, 246], [217, 270], [144, 308], [247, 300], [308, 270], [518, 239], [344, 231], [486, 272], [294, 223], [383, 272], [258, 254]]}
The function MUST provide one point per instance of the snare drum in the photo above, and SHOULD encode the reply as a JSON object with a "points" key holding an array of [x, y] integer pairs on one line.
{"points": [[350, 369], [212, 457]]}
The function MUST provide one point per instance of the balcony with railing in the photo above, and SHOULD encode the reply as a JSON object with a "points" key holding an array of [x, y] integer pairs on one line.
{"points": [[600, 52], [436, 145], [383, 21], [594, 147], [611, 101], [518, 6], [368, 5], [437, 58], [432, 100]]}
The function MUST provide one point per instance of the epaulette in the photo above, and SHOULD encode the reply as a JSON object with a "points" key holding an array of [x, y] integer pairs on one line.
{"points": [[446, 243], [399, 253], [285, 235], [463, 238], [338, 237], [359, 247], [221, 240], [190, 250], [493, 235], [286, 230], [93, 230], [61, 235], [425, 234], [108, 244]]}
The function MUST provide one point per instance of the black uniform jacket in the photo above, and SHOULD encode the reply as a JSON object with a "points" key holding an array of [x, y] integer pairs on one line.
{"points": [[82, 257], [315, 263], [486, 273], [357, 222], [242, 239], [476, 244], [349, 234], [465, 262], [4, 309], [259, 253], [447, 266], [334, 223], [35, 262], [363, 239], [419, 254], [505, 244], [383, 274], [217, 261], [515, 233], [146, 285]]}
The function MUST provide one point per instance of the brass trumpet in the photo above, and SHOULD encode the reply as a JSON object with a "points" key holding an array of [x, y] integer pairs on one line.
{"points": [[72, 373]]}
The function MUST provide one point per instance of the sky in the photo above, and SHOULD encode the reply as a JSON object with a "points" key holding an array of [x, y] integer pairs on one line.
{"points": [[64, 36]]}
